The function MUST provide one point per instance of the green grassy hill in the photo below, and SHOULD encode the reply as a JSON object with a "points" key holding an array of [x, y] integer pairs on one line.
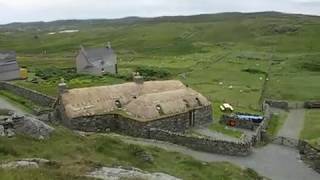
{"points": [[229, 57], [206, 49]]}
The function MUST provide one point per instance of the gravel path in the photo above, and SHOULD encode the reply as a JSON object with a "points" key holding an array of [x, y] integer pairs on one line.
{"points": [[293, 125], [5, 104], [272, 161]]}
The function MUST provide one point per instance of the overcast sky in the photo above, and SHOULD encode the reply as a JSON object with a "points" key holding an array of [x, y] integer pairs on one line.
{"points": [[47, 10]]}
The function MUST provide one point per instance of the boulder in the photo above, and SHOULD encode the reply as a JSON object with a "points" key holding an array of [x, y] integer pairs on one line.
{"points": [[30, 126]]}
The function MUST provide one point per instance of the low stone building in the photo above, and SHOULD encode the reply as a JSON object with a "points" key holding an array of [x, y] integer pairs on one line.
{"points": [[97, 61], [9, 68], [133, 108]]}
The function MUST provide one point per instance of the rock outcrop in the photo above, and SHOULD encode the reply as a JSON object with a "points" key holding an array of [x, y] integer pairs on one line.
{"points": [[106, 173], [25, 163], [12, 124], [32, 127]]}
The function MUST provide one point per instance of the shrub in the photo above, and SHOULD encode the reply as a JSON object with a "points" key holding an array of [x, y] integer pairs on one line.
{"points": [[153, 73], [56, 73], [254, 71], [312, 66]]}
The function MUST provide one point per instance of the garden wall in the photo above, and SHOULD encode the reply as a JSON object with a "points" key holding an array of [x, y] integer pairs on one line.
{"points": [[278, 104], [34, 96], [312, 104], [310, 155], [205, 144]]}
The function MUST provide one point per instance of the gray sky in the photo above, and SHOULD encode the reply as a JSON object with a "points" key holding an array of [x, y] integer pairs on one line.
{"points": [[47, 10]]}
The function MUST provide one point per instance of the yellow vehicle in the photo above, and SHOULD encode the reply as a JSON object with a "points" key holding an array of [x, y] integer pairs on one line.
{"points": [[23, 73]]}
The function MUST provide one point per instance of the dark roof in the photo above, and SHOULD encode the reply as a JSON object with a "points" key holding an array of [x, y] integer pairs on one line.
{"points": [[97, 55], [8, 61], [6, 56]]}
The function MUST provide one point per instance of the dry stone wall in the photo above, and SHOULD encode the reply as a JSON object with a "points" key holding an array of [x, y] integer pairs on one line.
{"points": [[34, 96], [278, 104], [241, 148], [310, 154], [119, 123]]}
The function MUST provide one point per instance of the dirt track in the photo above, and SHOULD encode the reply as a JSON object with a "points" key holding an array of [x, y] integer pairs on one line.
{"points": [[293, 124]]}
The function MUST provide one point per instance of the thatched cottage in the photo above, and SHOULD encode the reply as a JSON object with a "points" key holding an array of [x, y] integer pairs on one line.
{"points": [[9, 68], [133, 108], [97, 61]]}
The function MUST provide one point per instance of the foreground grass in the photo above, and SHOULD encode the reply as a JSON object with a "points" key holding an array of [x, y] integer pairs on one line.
{"points": [[76, 155], [311, 129]]}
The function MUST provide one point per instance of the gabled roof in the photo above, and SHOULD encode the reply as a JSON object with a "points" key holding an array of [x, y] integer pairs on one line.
{"points": [[7, 56], [8, 61], [96, 56], [138, 101]]}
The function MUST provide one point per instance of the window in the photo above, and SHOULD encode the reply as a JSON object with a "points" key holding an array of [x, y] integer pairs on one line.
{"points": [[118, 104], [159, 109], [198, 101]]}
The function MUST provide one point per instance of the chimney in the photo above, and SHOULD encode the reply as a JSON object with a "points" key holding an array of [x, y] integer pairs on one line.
{"points": [[83, 51], [109, 45], [137, 78], [62, 87]]}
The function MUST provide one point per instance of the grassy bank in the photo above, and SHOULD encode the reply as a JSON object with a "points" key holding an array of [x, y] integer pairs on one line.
{"points": [[75, 155], [18, 101], [311, 129], [275, 123]]}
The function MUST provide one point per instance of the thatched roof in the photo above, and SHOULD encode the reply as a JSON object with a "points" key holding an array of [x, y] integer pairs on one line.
{"points": [[144, 102]]}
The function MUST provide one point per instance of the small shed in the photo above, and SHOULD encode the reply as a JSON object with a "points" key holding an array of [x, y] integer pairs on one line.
{"points": [[9, 68]]}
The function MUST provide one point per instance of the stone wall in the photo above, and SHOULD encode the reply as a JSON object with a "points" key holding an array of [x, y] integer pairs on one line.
{"points": [[310, 155], [34, 96], [312, 104], [119, 123], [278, 104], [205, 144]]}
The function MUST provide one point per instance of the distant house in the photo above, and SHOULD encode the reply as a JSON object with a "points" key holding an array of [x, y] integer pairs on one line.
{"points": [[9, 68], [97, 61]]}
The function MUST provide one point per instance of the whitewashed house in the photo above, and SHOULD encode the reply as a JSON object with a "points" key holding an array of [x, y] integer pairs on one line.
{"points": [[97, 61]]}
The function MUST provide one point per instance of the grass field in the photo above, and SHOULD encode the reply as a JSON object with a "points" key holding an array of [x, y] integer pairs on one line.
{"points": [[208, 52], [311, 130], [235, 58], [232, 57], [75, 155], [275, 123]]}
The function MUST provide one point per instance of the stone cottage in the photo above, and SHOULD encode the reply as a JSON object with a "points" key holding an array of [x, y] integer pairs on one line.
{"points": [[9, 68], [97, 61], [133, 108]]}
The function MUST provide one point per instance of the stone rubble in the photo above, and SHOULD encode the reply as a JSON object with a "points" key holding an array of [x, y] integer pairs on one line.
{"points": [[12, 124]]}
